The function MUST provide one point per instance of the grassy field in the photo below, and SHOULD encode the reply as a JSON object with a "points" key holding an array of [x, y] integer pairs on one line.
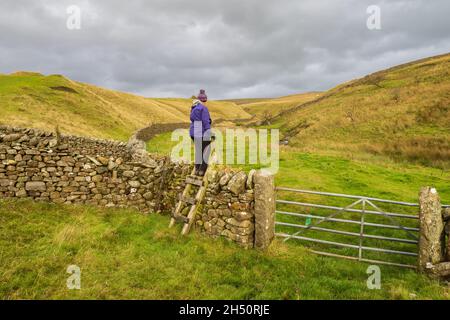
{"points": [[371, 176], [385, 135], [125, 254], [33, 100]]}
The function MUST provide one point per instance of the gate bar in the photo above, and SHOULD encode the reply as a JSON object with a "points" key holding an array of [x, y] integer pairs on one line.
{"points": [[330, 216], [347, 196], [370, 224], [392, 220], [328, 254], [305, 204], [347, 233], [346, 245], [361, 231]]}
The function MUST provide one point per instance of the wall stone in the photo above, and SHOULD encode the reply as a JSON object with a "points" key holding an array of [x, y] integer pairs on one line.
{"points": [[431, 229], [46, 166], [440, 270], [446, 218]]}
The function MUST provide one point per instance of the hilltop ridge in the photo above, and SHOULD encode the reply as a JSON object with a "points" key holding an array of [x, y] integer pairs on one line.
{"points": [[30, 99]]}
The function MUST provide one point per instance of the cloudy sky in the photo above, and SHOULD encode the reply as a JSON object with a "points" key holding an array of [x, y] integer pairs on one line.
{"points": [[232, 48]]}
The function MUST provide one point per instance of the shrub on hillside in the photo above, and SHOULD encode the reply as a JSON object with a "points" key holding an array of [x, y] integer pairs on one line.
{"points": [[428, 151]]}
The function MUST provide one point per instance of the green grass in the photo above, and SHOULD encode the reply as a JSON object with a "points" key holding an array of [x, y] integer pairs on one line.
{"points": [[369, 175], [125, 254]]}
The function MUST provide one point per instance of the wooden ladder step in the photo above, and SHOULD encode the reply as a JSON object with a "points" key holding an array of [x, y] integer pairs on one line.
{"points": [[180, 218], [187, 199], [194, 181]]}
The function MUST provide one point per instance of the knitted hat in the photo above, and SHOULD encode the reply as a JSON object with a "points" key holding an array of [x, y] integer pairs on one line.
{"points": [[202, 96]]}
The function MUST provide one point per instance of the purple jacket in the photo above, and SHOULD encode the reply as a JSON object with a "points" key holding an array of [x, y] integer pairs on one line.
{"points": [[199, 114]]}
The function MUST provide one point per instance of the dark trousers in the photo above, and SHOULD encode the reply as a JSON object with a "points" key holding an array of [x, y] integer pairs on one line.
{"points": [[202, 153]]}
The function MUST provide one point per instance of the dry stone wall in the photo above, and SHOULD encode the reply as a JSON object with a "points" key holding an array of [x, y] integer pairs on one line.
{"points": [[228, 209], [47, 166]]}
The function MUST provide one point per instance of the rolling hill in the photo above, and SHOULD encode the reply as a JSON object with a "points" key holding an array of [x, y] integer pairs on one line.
{"points": [[34, 100], [402, 112]]}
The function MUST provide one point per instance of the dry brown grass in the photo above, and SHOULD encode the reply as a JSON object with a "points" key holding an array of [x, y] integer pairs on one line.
{"points": [[30, 99], [264, 110]]}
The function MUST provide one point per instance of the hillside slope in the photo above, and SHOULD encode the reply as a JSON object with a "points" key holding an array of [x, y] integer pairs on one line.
{"points": [[263, 110], [402, 112], [33, 100]]}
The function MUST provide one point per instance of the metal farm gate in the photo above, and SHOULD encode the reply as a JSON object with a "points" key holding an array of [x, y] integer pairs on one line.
{"points": [[349, 226]]}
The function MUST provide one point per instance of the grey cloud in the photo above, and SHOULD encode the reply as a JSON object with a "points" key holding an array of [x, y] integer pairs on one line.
{"points": [[232, 48]]}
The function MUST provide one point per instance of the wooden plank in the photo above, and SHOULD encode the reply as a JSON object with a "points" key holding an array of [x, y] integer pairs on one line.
{"points": [[194, 181], [185, 193], [199, 198], [193, 211]]}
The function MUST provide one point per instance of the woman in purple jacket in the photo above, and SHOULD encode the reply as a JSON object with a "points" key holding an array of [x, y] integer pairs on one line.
{"points": [[200, 131]]}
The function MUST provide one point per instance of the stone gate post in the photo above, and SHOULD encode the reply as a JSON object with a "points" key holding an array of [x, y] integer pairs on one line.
{"points": [[431, 229], [264, 208]]}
